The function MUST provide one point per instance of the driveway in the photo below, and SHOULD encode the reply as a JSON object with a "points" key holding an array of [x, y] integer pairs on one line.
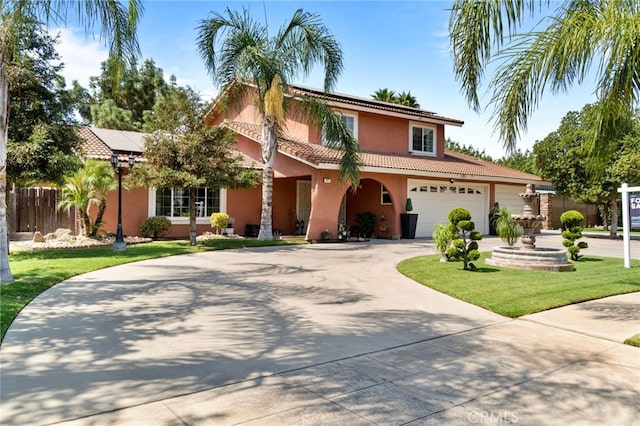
{"points": [[320, 334]]}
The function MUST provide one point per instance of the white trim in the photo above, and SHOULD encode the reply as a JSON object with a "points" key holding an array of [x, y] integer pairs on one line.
{"points": [[433, 153], [341, 114], [151, 211]]}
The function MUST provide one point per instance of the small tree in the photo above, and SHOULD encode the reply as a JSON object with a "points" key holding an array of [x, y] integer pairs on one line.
{"points": [[506, 227], [442, 238], [465, 246], [572, 231], [155, 226]]}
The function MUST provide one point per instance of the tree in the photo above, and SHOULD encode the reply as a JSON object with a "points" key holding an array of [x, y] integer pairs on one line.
{"points": [[455, 146], [183, 152], [123, 101], [118, 27], [579, 37], [88, 186], [241, 56], [41, 137], [402, 98], [518, 160], [563, 159], [465, 243]]}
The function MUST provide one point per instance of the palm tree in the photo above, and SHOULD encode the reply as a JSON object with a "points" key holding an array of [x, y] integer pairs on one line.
{"points": [[89, 185], [118, 27], [384, 95], [407, 99], [103, 181], [579, 36], [80, 192], [241, 57]]}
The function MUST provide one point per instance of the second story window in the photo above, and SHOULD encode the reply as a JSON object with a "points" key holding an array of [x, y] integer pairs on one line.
{"points": [[422, 140], [351, 121]]}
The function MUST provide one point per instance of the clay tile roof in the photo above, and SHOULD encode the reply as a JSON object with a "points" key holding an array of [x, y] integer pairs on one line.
{"points": [[372, 103], [453, 163]]}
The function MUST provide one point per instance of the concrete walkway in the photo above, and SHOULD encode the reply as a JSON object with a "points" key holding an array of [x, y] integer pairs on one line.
{"points": [[321, 334]]}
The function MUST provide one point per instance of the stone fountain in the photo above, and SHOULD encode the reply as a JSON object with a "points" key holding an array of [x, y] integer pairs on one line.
{"points": [[529, 256]]}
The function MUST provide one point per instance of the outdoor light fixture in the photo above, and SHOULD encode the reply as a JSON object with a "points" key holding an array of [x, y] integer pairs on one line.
{"points": [[119, 244]]}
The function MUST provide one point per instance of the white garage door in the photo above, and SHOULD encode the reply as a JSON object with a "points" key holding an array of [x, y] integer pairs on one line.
{"points": [[509, 196], [433, 200]]}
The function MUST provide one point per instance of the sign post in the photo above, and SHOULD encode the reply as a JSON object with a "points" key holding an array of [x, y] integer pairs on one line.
{"points": [[627, 208]]}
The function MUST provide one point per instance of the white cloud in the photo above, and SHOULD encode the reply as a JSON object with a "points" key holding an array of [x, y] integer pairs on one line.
{"points": [[81, 55]]}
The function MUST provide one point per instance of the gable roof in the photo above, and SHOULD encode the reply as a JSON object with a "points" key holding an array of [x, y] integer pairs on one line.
{"points": [[453, 165], [102, 143]]}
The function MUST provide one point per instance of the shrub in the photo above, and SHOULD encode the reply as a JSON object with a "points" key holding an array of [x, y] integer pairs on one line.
{"points": [[442, 239], [572, 231], [507, 229], [465, 246], [366, 221], [155, 227], [219, 221]]}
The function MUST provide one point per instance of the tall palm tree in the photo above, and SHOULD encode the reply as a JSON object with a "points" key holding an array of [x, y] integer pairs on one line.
{"points": [[241, 57], [580, 36], [117, 21]]}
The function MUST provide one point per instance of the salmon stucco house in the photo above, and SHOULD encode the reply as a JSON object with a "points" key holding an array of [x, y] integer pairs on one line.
{"points": [[403, 156]]}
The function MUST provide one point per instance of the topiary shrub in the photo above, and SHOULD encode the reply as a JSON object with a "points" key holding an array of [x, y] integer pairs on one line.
{"points": [[506, 227], [219, 221], [572, 231], [155, 226], [465, 245]]}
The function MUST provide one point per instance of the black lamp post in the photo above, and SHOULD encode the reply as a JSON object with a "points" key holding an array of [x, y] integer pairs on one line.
{"points": [[119, 244]]}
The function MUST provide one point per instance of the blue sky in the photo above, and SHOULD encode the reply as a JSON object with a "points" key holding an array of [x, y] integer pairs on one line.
{"points": [[395, 44]]}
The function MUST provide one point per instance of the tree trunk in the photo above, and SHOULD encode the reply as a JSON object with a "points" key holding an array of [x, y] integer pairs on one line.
{"points": [[86, 222], [269, 150], [5, 271], [192, 216], [96, 225], [614, 217]]}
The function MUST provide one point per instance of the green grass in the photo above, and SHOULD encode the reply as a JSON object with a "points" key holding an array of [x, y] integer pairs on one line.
{"points": [[517, 292], [633, 341], [36, 271]]}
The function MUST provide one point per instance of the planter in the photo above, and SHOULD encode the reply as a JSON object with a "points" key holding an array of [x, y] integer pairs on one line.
{"points": [[408, 223], [228, 231]]}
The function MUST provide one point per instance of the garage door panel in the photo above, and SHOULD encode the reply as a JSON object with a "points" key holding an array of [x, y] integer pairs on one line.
{"points": [[433, 200], [509, 196]]}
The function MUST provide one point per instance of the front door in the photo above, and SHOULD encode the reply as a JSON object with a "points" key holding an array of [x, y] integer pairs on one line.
{"points": [[303, 206]]}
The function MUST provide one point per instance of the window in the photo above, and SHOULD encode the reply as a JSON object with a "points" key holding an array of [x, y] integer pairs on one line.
{"points": [[422, 140], [351, 121], [385, 197], [175, 202]]}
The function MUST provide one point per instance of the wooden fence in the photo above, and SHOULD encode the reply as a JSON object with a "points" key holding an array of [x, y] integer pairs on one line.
{"points": [[35, 209]]}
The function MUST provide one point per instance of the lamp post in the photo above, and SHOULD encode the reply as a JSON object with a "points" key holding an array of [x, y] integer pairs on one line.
{"points": [[119, 244]]}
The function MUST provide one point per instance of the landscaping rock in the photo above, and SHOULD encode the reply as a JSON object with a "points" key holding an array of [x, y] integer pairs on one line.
{"points": [[37, 237]]}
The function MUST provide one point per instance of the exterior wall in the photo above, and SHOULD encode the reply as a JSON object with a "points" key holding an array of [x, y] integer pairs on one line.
{"points": [[135, 205]]}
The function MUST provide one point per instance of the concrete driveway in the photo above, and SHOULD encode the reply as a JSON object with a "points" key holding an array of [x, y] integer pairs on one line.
{"points": [[320, 334]]}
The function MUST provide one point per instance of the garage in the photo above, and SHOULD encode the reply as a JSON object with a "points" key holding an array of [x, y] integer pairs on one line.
{"points": [[509, 196], [432, 201]]}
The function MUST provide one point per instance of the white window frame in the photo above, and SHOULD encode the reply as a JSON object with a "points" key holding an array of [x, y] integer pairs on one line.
{"points": [[353, 115], [435, 139], [384, 191], [185, 220]]}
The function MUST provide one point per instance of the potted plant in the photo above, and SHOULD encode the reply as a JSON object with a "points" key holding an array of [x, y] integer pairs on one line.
{"points": [[229, 229], [408, 221], [366, 222], [219, 221]]}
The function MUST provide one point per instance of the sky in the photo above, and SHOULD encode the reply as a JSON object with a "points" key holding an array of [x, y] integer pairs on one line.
{"points": [[400, 45]]}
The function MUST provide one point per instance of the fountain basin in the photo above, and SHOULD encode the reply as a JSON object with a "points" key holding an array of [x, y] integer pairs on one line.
{"points": [[538, 259]]}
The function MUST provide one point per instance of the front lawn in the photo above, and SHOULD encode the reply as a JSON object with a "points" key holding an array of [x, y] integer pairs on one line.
{"points": [[517, 292], [36, 271]]}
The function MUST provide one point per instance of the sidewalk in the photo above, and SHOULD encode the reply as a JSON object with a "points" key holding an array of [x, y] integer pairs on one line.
{"points": [[298, 335]]}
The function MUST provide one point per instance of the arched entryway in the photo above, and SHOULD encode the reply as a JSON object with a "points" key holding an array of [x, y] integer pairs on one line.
{"points": [[371, 196]]}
